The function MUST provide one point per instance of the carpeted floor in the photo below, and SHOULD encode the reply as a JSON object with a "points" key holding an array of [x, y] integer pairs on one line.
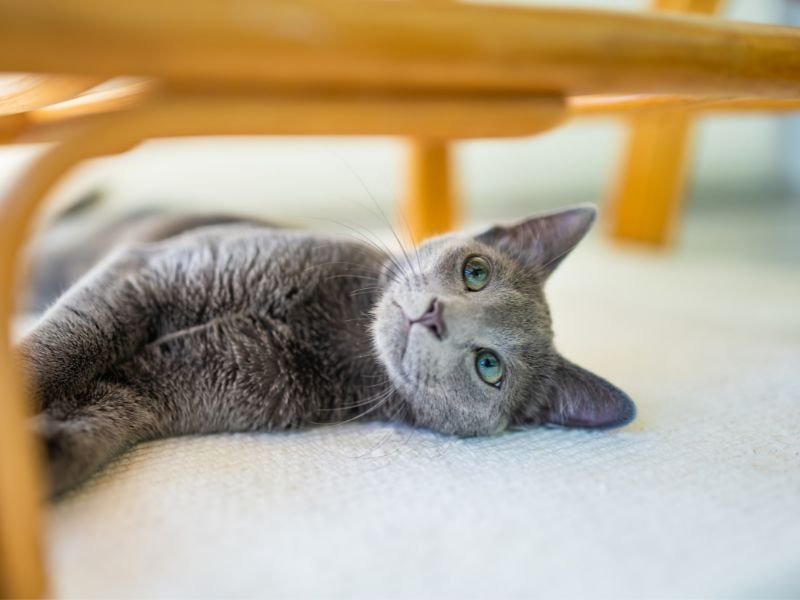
{"points": [[699, 497]]}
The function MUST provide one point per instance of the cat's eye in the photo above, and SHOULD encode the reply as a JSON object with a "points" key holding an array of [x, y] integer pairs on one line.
{"points": [[489, 367], [476, 273]]}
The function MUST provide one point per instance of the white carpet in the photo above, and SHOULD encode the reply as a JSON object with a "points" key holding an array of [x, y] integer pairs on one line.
{"points": [[700, 497]]}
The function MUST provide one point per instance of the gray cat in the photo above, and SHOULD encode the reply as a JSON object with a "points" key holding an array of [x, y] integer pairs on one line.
{"points": [[197, 327]]}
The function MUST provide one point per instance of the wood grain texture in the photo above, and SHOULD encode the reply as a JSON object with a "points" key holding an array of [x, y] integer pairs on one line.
{"points": [[410, 45], [114, 97], [22, 92]]}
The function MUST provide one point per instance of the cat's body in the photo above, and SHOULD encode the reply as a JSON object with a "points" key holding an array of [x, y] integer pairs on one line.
{"points": [[244, 327]]}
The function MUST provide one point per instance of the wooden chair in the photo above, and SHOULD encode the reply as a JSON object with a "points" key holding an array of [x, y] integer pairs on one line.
{"points": [[433, 72]]}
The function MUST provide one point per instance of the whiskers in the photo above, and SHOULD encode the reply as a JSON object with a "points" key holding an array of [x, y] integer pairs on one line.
{"points": [[397, 266], [372, 383], [370, 289], [382, 214], [377, 395], [371, 404]]}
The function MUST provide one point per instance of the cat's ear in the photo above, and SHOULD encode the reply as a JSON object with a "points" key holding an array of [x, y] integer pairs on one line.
{"points": [[542, 242], [579, 398]]}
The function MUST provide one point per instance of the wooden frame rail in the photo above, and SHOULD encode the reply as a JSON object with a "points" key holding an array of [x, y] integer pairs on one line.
{"points": [[411, 45]]}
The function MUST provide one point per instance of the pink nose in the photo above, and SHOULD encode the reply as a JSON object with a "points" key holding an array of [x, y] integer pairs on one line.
{"points": [[433, 319]]}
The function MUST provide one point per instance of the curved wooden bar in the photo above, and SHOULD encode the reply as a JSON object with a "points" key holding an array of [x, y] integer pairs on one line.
{"points": [[22, 92], [602, 105], [411, 45], [427, 117], [21, 565]]}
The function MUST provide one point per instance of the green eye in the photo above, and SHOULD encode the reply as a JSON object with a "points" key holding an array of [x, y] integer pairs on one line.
{"points": [[489, 367], [476, 273]]}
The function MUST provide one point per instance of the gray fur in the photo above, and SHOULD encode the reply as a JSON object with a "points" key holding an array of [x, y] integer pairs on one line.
{"points": [[243, 327]]}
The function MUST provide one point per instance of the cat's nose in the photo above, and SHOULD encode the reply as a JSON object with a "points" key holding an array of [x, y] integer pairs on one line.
{"points": [[433, 319]]}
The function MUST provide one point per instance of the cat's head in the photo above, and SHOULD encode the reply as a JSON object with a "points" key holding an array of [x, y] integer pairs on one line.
{"points": [[464, 332]]}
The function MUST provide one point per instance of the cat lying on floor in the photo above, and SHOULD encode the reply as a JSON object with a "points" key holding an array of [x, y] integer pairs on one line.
{"points": [[201, 325]]}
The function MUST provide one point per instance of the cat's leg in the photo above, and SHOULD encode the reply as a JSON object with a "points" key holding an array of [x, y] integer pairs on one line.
{"points": [[80, 439], [104, 318], [217, 377]]}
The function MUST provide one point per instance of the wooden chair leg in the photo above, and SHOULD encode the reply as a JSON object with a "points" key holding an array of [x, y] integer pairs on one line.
{"points": [[22, 572], [21, 565], [648, 196], [430, 206]]}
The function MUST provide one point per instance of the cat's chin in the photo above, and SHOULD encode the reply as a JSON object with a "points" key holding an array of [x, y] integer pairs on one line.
{"points": [[397, 373]]}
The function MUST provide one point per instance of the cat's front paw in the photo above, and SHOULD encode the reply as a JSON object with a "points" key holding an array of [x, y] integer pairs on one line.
{"points": [[65, 463]]}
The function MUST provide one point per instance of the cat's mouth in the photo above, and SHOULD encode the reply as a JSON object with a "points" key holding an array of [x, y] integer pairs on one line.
{"points": [[395, 343]]}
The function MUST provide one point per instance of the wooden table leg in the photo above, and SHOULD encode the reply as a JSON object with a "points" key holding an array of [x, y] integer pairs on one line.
{"points": [[431, 205], [648, 194], [651, 182]]}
